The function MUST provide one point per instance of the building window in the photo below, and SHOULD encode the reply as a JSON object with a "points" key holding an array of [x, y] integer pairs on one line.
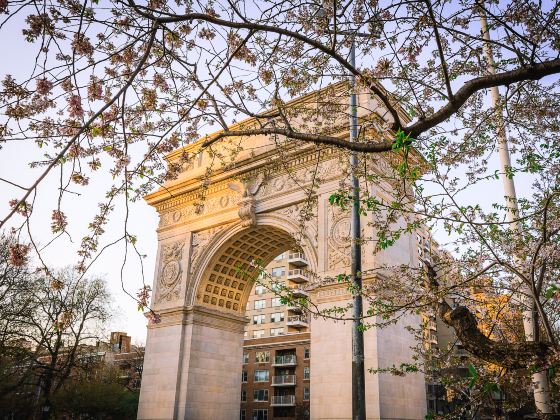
{"points": [[243, 395], [245, 357], [306, 372], [276, 286], [260, 395], [262, 357], [260, 289], [280, 257], [276, 331], [278, 272], [244, 376], [277, 317], [261, 375], [260, 414], [276, 302], [242, 415], [307, 353], [258, 319], [306, 394], [258, 334], [260, 304]]}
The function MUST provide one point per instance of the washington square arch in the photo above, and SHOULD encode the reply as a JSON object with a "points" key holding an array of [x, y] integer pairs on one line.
{"points": [[247, 209]]}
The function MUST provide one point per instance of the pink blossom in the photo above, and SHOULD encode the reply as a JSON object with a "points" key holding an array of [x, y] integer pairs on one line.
{"points": [[18, 254], [44, 86], [75, 106]]}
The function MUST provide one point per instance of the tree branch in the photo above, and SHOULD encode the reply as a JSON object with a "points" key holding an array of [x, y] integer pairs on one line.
{"points": [[504, 354], [368, 146], [533, 72]]}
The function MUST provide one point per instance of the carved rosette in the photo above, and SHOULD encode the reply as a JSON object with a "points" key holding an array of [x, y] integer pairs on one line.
{"points": [[171, 270]]}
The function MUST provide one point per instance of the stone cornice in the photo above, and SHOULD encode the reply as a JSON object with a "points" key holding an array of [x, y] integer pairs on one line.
{"points": [[198, 315], [190, 190]]}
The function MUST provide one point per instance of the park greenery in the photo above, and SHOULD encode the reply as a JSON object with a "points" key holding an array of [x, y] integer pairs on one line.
{"points": [[49, 345]]}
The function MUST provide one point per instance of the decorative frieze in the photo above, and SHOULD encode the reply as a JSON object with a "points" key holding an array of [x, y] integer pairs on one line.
{"points": [[195, 210], [290, 180]]}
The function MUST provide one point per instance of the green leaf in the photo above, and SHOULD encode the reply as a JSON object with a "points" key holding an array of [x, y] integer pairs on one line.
{"points": [[489, 387], [551, 291], [473, 374]]}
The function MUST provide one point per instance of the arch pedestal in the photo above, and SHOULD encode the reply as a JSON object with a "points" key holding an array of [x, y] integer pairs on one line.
{"points": [[387, 396], [192, 366]]}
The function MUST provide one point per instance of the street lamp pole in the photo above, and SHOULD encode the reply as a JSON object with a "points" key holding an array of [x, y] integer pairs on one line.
{"points": [[358, 368]]}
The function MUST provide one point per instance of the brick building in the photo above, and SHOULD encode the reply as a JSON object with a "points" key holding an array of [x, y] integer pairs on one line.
{"points": [[276, 352]]}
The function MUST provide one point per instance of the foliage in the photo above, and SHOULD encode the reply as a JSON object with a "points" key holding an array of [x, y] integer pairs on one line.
{"points": [[97, 399], [49, 324]]}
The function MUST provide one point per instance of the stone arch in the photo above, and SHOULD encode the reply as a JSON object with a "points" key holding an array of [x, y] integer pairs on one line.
{"points": [[223, 280]]}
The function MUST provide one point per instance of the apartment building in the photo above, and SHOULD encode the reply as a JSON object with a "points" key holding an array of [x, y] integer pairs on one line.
{"points": [[276, 372], [437, 335]]}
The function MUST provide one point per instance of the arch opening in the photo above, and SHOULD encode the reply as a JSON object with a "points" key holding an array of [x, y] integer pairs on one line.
{"points": [[227, 280]]}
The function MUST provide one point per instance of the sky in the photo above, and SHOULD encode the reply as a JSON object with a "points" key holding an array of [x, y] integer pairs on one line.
{"points": [[14, 165]]}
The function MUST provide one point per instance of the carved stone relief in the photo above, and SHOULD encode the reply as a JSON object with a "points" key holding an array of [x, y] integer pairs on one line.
{"points": [[171, 270], [306, 218], [201, 240], [248, 190], [339, 239], [208, 206], [297, 179]]}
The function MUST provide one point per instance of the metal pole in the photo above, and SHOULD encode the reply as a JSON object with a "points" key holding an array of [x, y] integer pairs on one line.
{"points": [[540, 380], [358, 371]]}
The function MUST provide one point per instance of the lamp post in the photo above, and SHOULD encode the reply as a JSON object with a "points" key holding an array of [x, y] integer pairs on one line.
{"points": [[358, 367]]}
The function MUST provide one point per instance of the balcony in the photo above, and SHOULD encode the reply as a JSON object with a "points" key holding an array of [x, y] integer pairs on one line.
{"points": [[298, 321], [460, 352], [298, 276], [298, 292], [298, 259], [294, 307], [286, 360], [283, 401], [284, 380]]}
